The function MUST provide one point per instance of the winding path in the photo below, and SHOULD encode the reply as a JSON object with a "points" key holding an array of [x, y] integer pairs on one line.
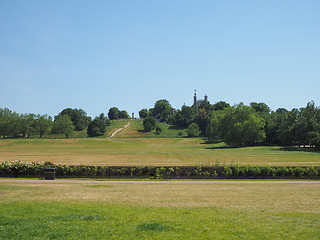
{"points": [[120, 129]]}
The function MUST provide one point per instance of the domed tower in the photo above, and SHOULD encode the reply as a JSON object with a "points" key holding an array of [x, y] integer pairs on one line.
{"points": [[195, 98], [206, 98]]}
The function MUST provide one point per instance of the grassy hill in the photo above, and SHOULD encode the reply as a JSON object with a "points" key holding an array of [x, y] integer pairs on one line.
{"points": [[135, 130]]}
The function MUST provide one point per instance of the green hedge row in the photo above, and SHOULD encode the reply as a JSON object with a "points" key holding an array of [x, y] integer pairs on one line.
{"points": [[24, 169]]}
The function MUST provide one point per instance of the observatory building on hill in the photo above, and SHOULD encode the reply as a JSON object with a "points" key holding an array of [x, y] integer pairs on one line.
{"points": [[197, 102]]}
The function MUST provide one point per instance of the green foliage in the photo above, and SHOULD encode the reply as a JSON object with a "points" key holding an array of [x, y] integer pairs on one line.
{"points": [[184, 117], [238, 126], [158, 130], [143, 113], [227, 172], [113, 113], [97, 126], [149, 123], [193, 130], [220, 106], [9, 123], [27, 122], [260, 107], [42, 124], [78, 117], [123, 115], [63, 124], [25, 169], [162, 110], [202, 119]]}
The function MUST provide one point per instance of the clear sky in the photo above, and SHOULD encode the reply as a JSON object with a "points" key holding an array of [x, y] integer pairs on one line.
{"points": [[96, 54]]}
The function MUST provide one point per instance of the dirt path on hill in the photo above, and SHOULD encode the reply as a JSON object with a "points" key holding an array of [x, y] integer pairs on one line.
{"points": [[163, 182], [120, 129]]}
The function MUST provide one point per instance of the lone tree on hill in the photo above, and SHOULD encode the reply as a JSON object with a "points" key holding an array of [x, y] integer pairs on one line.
{"points": [[149, 123], [162, 110], [143, 113], [113, 113], [124, 115]]}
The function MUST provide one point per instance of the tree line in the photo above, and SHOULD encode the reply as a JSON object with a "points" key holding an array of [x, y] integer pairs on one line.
{"points": [[237, 125], [240, 125], [13, 125]]}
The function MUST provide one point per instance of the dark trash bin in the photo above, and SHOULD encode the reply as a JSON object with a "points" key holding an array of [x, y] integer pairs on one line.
{"points": [[49, 174]]}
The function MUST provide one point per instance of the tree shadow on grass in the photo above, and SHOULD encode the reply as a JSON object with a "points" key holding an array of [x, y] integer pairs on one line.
{"points": [[297, 149]]}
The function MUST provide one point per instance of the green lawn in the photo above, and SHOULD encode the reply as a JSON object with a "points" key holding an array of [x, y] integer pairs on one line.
{"points": [[111, 210]]}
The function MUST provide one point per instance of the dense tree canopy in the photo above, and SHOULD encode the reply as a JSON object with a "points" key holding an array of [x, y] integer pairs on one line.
{"points": [[113, 113], [143, 113], [238, 125], [220, 105], [149, 123], [97, 126], [124, 115], [185, 117], [43, 124], [63, 124], [162, 110], [78, 117]]}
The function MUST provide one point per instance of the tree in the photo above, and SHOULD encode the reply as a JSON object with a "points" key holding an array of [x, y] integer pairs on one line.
{"points": [[78, 117], [239, 125], [260, 107], [207, 106], [113, 113], [97, 127], [106, 120], [280, 129], [149, 123], [307, 125], [143, 113], [63, 124], [193, 130], [27, 124], [42, 124], [9, 123], [220, 106], [185, 117], [124, 115], [162, 110], [213, 129], [202, 120], [158, 130]]}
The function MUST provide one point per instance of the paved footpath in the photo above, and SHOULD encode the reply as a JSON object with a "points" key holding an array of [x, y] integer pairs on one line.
{"points": [[120, 129], [164, 182]]}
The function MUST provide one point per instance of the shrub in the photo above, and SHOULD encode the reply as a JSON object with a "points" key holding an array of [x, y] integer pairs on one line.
{"points": [[227, 172], [158, 130], [193, 130], [149, 123]]}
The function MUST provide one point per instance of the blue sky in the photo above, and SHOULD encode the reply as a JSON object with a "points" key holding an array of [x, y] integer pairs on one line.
{"points": [[96, 55]]}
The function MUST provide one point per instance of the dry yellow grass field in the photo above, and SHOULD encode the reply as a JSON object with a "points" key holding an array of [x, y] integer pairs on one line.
{"points": [[271, 196]]}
